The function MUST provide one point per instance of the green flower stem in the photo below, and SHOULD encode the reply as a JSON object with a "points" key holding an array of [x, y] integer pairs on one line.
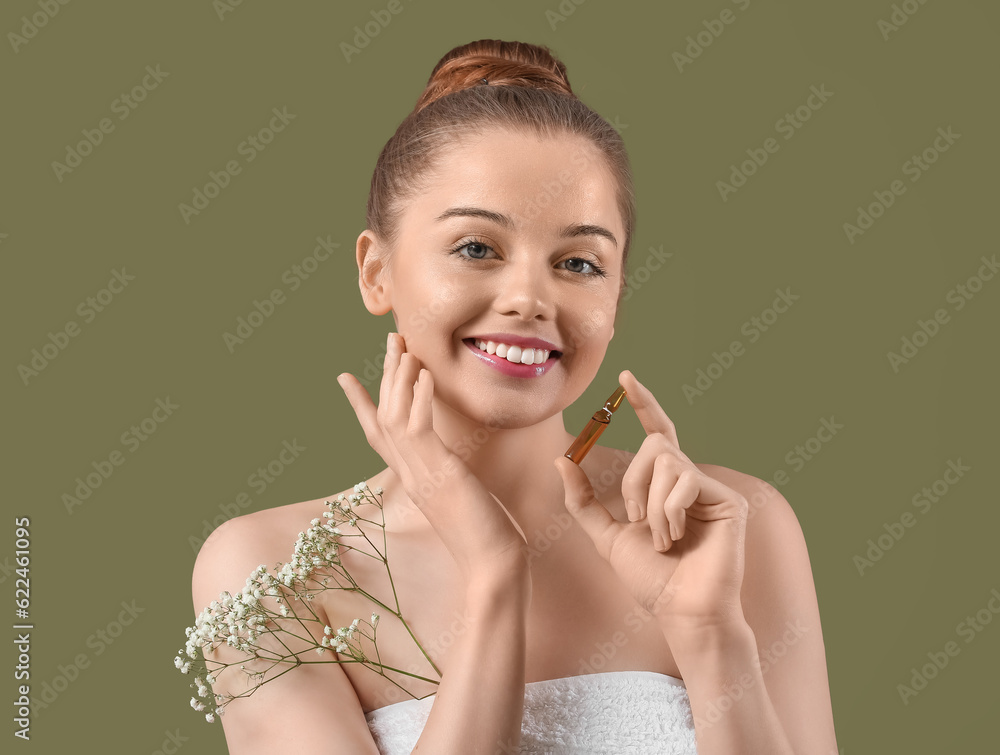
{"points": [[385, 560], [315, 553]]}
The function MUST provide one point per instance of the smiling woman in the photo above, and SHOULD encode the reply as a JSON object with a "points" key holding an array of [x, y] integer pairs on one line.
{"points": [[504, 206]]}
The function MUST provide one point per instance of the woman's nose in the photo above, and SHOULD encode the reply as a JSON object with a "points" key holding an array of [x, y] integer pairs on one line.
{"points": [[525, 292]]}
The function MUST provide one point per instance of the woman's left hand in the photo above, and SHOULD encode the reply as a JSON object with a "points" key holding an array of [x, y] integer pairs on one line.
{"points": [[695, 582]]}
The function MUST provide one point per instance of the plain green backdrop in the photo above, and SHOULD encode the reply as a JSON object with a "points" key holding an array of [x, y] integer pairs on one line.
{"points": [[895, 74]]}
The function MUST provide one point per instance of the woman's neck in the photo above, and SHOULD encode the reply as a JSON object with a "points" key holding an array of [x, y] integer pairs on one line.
{"points": [[515, 464]]}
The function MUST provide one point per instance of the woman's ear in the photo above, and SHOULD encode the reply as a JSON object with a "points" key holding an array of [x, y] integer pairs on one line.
{"points": [[373, 274]]}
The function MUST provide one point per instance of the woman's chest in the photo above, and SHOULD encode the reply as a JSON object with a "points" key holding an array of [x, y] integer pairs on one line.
{"points": [[580, 621]]}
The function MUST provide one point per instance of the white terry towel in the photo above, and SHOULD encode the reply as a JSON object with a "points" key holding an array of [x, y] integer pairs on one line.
{"points": [[614, 712]]}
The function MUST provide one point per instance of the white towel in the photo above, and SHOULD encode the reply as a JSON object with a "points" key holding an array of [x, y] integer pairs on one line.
{"points": [[619, 712]]}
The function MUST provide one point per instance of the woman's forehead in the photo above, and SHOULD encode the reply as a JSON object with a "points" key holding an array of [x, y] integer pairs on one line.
{"points": [[522, 179]]}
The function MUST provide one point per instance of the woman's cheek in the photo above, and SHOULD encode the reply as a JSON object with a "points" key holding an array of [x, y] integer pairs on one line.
{"points": [[593, 325]]}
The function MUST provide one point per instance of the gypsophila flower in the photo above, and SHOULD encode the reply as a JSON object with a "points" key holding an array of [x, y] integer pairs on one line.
{"points": [[240, 620]]}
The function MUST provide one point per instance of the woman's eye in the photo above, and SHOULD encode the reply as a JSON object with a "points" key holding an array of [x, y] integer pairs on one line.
{"points": [[476, 250], [578, 265]]}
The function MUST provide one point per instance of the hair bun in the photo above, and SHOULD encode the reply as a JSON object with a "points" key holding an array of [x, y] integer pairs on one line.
{"points": [[500, 63]]}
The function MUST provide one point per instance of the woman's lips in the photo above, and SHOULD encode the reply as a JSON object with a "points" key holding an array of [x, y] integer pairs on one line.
{"points": [[502, 364]]}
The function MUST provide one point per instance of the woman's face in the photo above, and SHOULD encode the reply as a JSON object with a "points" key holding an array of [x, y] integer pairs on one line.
{"points": [[514, 238]]}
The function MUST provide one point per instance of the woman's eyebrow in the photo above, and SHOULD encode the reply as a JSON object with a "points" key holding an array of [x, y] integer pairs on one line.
{"points": [[576, 229]]}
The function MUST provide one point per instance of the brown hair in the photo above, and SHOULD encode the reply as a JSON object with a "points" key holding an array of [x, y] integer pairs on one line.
{"points": [[526, 88]]}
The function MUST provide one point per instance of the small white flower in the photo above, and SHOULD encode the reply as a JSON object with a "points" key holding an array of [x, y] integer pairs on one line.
{"points": [[209, 717]]}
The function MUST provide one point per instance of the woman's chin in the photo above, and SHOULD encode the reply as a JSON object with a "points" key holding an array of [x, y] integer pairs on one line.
{"points": [[494, 413]]}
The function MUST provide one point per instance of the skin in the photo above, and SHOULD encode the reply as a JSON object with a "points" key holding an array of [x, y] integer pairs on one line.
{"points": [[437, 299], [530, 281], [704, 605]]}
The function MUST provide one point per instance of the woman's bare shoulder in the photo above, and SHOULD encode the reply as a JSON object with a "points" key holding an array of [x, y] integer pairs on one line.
{"points": [[278, 526], [240, 544], [762, 497], [772, 530]]}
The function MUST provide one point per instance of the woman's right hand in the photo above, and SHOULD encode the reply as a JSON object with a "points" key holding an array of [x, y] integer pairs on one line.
{"points": [[471, 522]]}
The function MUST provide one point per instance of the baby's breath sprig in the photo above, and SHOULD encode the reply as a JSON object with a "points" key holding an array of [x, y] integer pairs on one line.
{"points": [[263, 633]]}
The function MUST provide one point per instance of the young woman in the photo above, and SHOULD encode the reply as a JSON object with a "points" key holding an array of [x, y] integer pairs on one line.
{"points": [[631, 603]]}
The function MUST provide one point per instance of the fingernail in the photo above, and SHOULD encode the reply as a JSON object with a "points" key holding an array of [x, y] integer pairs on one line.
{"points": [[658, 541], [633, 510]]}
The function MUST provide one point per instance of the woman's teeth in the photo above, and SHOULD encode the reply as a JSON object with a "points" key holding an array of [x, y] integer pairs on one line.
{"points": [[513, 354]]}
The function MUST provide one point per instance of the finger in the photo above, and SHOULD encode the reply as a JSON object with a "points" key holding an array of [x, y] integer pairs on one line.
{"points": [[639, 475], [425, 450], [393, 349], [651, 415], [364, 409], [665, 478], [594, 518], [722, 502], [685, 492], [401, 398], [421, 418]]}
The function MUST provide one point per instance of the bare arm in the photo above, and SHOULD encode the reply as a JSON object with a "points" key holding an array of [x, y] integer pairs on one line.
{"points": [[762, 686], [480, 699], [732, 710], [315, 704], [478, 704]]}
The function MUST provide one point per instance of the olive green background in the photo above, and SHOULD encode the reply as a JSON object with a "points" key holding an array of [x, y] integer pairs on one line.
{"points": [[134, 539]]}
